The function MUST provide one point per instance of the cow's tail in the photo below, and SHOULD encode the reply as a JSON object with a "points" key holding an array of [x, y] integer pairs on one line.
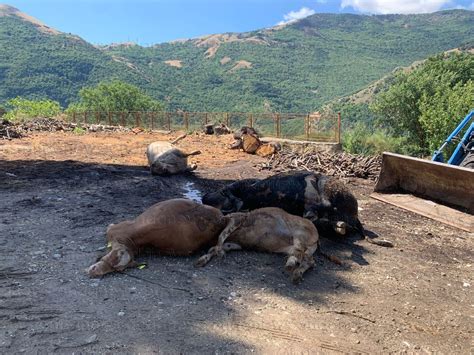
{"points": [[376, 241]]}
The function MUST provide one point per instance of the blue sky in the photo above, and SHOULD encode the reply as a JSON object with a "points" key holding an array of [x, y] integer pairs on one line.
{"points": [[153, 21]]}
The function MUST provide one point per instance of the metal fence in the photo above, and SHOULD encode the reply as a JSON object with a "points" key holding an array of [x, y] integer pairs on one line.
{"points": [[311, 127]]}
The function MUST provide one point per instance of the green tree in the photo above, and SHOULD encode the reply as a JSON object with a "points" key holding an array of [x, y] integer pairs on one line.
{"points": [[426, 104], [114, 96], [442, 112], [20, 108]]}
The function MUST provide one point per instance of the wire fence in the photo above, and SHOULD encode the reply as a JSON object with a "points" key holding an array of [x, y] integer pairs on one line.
{"points": [[296, 126]]}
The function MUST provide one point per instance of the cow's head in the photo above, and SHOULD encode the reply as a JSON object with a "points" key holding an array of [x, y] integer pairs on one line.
{"points": [[117, 259], [223, 200]]}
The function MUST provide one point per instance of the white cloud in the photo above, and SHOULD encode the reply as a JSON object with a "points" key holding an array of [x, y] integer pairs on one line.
{"points": [[293, 16], [395, 7], [468, 7]]}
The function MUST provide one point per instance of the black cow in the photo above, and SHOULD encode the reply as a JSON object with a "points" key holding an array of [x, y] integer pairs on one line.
{"points": [[324, 200]]}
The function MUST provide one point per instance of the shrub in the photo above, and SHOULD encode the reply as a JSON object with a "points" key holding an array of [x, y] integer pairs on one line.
{"points": [[362, 140], [79, 130], [426, 104], [114, 96], [20, 108]]}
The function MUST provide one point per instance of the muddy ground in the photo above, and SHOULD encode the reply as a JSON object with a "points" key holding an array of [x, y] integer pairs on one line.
{"points": [[59, 191]]}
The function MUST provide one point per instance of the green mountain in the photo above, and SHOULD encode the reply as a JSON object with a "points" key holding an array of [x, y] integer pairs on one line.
{"points": [[37, 61], [296, 67], [355, 107]]}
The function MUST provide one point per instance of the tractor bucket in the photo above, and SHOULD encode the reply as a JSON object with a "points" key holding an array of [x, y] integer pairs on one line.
{"points": [[436, 190]]}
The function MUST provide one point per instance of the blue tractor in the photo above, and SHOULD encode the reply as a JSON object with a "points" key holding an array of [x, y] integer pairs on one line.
{"points": [[463, 155]]}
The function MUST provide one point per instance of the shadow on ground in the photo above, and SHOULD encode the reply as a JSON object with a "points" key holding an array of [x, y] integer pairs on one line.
{"points": [[53, 217]]}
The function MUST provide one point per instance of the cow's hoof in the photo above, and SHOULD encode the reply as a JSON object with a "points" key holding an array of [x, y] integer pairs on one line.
{"points": [[202, 261], [297, 277], [291, 264], [220, 253]]}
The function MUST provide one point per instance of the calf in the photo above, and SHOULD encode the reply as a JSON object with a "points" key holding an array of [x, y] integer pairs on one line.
{"points": [[270, 230], [173, 227], [165, 159]]}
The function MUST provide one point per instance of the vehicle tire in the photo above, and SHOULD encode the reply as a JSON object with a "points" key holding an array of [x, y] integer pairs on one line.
{"points": [[468, 161]]}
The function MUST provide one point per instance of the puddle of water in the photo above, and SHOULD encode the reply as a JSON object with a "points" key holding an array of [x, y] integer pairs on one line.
{"points": [[191, 192]]}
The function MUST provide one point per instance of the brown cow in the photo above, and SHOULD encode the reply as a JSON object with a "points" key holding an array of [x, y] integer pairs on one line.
{"points": [[270, 230], [172, 227]]}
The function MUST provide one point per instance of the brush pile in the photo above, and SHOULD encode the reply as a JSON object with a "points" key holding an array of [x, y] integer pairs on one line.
{"points": [[44, 125], [10, 130], [338, 164]]}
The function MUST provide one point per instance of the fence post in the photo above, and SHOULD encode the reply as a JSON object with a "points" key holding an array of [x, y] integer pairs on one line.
{"points": [[168, 119], [74, 117], [278, 126], [307, 126], [97, 117], [227, 123], [186, 121], [85, 117], [152, 118], [205, 119], [122, 119], [339, 127]]}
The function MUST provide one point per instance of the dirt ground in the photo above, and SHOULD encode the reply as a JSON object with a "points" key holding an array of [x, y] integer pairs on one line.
{"points": [[60, 191]]}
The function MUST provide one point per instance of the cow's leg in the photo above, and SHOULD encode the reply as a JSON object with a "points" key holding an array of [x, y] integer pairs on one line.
{"points": [[203, 260], [295, 256], [306, 263], [218, 249], [185, 155]]}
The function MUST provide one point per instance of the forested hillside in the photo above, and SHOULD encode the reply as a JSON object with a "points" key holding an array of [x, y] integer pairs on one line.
{"points": [[37, 61], [292, 68]]}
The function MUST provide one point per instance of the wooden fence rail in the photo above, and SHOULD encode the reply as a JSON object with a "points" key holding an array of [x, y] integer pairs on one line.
{"points": [[298, 126]]}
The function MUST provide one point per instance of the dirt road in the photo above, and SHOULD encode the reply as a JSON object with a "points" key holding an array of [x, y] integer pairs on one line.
{"points": [[59, 192]]}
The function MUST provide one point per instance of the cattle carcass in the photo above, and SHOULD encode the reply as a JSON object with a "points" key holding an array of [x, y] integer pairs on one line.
{"points": [[324, 200], [269, 230], [172, 227], [217, 129], [165, 159]]}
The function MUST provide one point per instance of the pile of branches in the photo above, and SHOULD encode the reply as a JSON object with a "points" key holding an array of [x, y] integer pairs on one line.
{"points": [[338, 164], [9, 130], [44, 125]]}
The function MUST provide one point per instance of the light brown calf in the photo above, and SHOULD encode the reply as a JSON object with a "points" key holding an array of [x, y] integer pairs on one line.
{"points": [[270, 230], [173, 227]]}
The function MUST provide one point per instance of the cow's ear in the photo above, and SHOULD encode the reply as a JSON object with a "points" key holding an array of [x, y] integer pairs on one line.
{"points": [[124, 259]]}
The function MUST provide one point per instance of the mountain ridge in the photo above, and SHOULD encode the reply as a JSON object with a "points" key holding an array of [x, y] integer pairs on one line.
{"points": [[297, 67]]}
